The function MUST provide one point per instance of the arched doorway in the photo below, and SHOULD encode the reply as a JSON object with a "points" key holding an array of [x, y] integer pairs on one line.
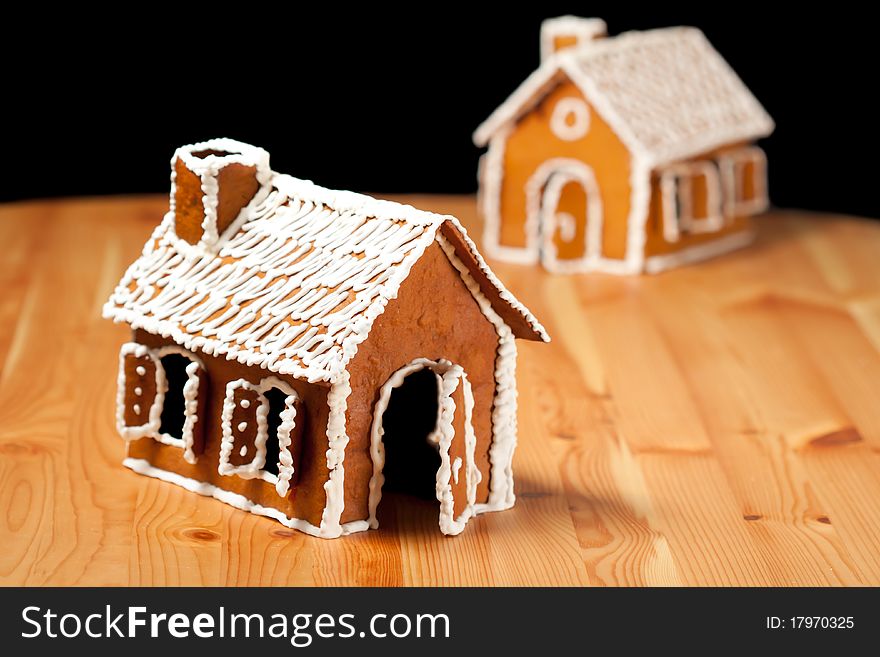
{"points": [[409, 436], [422, 440], [565, 215]]}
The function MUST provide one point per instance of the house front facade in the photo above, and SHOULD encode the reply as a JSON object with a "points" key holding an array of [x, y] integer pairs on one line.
{"points": [[626, 154]]}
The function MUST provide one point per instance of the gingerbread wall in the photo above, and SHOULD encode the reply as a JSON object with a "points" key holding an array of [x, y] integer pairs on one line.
{"points": [[434, 316], [656, 243], [306, 498], [532, 142]]}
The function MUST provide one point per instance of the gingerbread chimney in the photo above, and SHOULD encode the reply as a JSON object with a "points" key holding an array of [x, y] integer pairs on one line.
{"points": [[569, 32], [213, 183]]}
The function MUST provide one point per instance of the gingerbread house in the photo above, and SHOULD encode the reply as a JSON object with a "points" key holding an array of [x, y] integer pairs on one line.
{"points": [[295, 348], [624, 155]]}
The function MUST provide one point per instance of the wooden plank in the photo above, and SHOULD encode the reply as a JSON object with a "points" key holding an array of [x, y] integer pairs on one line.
{"points": [[760, 399], [651, 408], [845, 484], [712, 425]]}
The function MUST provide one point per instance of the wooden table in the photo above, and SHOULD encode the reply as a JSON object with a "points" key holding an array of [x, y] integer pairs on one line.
{"points": [[715, 425]]}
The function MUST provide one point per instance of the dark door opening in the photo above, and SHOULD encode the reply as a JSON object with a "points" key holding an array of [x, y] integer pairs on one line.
{"points": [[411, 462], [173, 410], [277, 404]]}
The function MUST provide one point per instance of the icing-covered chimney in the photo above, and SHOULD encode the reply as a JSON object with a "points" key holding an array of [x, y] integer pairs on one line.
{"points": [[568, 32], [213, 183]]}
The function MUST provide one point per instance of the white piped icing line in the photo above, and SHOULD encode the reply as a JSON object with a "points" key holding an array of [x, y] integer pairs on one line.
{"points": [[698, 252], [144, 467], [208, 169], [286, 468], [255, 469], [337, 441], [449, 524]]}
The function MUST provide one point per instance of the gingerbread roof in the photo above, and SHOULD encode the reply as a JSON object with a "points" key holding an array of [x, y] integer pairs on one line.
{"points": [[666, 93], [297, 286]]}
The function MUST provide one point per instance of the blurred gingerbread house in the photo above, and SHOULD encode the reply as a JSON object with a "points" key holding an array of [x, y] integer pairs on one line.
{"points": [[624, 155]]}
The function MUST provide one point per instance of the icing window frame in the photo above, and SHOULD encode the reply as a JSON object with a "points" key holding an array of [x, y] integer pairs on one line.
{"points": [[190, 396], [255, 469], [677, 193], [564, 108], [152, 427], [733, 165]]}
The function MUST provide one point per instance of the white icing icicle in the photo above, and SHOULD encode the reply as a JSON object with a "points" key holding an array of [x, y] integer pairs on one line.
{"points": [[337, 440], [449, 524]]}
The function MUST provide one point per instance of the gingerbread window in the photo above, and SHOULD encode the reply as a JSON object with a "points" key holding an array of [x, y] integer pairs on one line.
{"points": [[261, 438], [158, 397], [181, 377], [744, 179], [691, 199], [570, 120]]}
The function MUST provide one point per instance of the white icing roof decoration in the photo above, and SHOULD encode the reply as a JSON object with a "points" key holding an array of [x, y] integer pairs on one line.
{"points": [[296, 288], [666, 93]]}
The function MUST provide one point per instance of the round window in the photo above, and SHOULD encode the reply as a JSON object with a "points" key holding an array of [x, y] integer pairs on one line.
{"points": [[571, 119]]}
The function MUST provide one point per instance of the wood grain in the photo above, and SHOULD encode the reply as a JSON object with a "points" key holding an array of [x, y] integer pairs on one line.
{"points": [[715, 425]]}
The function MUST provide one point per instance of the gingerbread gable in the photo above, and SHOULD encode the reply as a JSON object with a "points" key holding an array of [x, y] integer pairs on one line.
{"points": [[295, 284], [667, 93]]}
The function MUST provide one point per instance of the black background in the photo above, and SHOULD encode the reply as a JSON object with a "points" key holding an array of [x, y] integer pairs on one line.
{"points": [[386, 100]]}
